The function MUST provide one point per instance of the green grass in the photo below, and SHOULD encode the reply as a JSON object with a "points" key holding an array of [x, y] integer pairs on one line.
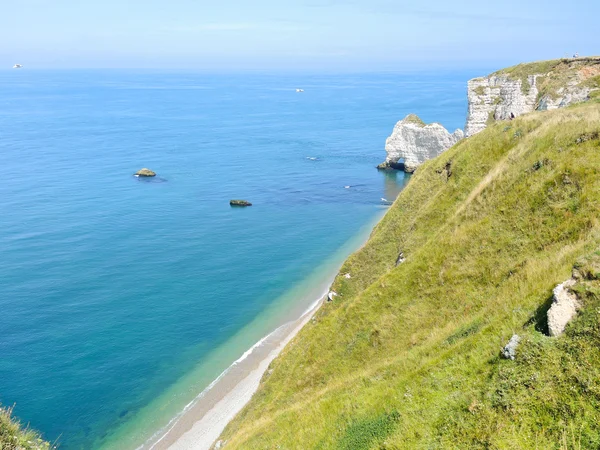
{"points": [[592, 82], [413, 118], [524, 71], [363, 434], [480, 90], [14, 436], [407, 356], [534, 68]]}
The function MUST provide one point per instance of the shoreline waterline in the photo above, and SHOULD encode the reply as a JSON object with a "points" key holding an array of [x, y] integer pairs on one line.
{"points": [[230, 395], [203, 419], [130, 308]]}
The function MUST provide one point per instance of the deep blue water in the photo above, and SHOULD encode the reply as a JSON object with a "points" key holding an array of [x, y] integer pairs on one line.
{"points": [[113, 288]]}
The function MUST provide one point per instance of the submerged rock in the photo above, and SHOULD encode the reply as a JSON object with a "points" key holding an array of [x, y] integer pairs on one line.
{"points": [[240, 203], [145, 173], [564, 307], [510, 350], [413, 142]]}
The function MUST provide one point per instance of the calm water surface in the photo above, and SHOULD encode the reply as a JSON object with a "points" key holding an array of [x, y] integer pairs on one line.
{"points": [[112, 289]]}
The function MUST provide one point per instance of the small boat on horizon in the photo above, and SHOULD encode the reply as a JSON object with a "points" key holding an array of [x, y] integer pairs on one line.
{"points": [[299, 90], [18, 66]]}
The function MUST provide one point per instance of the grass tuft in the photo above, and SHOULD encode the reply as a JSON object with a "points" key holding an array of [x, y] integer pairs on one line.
{"points": [[363, 434], [15, 436], [414, 119]]}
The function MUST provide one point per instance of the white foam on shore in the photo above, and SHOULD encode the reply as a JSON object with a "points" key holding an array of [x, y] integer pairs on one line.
{"points": [[164, 432], [314, 305], [173, 422]]}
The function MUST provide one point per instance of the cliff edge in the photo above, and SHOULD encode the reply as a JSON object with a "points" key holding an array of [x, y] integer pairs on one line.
{"points": [[524, 88]]}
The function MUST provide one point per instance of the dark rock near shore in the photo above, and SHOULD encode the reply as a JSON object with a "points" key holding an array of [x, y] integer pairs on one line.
{"points": [[240, 203], [390, 165]]}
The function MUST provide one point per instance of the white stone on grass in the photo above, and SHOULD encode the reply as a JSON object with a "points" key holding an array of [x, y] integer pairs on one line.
{"points": [[564, 307]]}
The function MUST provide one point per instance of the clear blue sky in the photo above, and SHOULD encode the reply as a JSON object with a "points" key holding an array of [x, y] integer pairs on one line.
{"points": [[351, 35]]}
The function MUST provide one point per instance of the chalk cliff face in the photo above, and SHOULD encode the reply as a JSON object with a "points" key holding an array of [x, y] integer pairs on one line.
{"points": [[496, 98], [528, 87], [414, 142], [500, 96]]}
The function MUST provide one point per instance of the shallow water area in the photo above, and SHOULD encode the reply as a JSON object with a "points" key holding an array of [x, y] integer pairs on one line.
{"points": [[123, 298]]}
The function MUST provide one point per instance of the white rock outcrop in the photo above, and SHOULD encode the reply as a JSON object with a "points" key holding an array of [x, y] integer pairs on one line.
{"points": [[496, 98], [510, 350], [564, 307], [500, 97], [413, 142]]}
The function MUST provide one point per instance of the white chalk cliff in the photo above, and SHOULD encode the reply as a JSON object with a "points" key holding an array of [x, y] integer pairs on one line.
{"points": [[500, 96], [413, 142], [496, 98], [510, 93]]}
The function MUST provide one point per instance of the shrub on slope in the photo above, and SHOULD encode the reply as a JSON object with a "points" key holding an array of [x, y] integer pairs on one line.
{"points": [[13, 436]]}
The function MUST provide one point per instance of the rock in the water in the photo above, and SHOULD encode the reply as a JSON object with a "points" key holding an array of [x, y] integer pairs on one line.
{"points": [[413, 142], [510, 350], [564, 307], [240, 203], [145, 173]]}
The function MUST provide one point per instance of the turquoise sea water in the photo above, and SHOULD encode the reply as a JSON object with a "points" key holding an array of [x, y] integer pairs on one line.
{"points": [[120, 298]]}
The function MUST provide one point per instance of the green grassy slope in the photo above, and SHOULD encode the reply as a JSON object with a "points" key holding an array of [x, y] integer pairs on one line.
{"points": [[13, 436], [408, 356]]}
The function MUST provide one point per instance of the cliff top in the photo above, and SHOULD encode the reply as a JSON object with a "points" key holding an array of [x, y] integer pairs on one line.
{"points": [[414, 119], [408, 353], [558, 73], [544, 67]]}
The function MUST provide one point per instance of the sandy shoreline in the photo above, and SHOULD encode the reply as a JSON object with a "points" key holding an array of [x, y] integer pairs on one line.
{"points": [[202, 421], [205, 418]]}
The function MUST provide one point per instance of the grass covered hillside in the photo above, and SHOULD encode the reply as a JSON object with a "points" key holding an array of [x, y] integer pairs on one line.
{"points": [[13, 436], [408, 355]]}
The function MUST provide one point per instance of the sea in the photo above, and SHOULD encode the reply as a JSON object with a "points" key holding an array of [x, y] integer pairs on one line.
{"points": [[122, 298]]}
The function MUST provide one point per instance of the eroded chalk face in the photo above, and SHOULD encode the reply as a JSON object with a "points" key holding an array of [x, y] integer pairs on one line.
{"points": [[413, 142]]}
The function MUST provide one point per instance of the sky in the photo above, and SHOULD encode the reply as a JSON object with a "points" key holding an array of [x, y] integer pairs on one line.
{"points": [[292, 35]]}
